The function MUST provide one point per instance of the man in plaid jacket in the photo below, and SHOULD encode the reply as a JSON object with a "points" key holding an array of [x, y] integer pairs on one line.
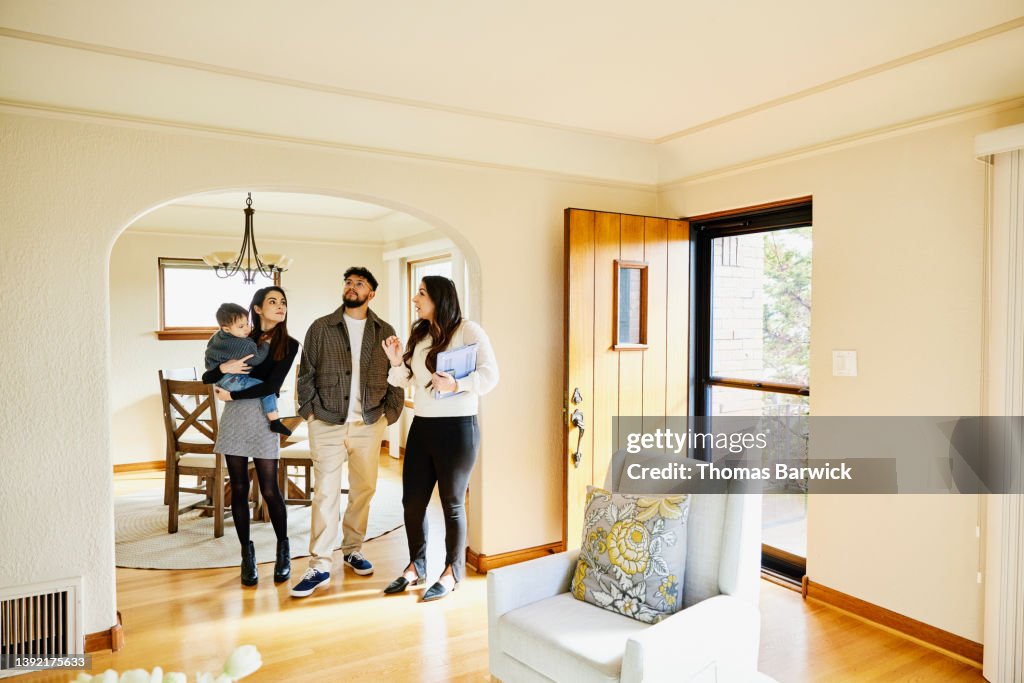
{"points": [[344, 395]]}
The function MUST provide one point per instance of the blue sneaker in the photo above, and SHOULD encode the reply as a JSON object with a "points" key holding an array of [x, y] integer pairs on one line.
{"points": [[359, 564], [310, 581]]}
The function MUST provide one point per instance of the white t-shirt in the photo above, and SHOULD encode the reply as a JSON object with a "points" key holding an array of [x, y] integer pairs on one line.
{"points": [[355, 394]]}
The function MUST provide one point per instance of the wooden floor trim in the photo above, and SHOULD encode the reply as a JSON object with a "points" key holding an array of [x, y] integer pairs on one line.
{"points": [[930, 636], [484, 563], [140, 466], [112, 639]]}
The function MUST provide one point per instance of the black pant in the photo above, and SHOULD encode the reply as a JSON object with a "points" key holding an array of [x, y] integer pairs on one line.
{"points": [[442, 451]]}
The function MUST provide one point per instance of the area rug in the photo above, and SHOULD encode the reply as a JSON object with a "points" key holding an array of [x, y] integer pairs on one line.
{"points": [[142, 541]]}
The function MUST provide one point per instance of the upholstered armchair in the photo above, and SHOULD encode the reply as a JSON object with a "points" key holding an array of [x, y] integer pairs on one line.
{"points": [[539, 632]]}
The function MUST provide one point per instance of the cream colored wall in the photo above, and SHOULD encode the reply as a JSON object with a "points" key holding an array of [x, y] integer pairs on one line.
{"points": [[313, 284], [897, 275], [67, 190]]}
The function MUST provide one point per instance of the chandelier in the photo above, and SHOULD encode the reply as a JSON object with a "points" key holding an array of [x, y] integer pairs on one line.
{"points": [[248, 260]]}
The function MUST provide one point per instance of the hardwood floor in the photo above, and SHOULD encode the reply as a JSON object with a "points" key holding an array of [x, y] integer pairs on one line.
{"points": [[190, 620], [811, 641]]}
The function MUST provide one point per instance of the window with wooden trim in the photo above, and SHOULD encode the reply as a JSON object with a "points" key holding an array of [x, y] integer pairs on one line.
{"points": [[629, 301], [190, 293], [415, 270]]}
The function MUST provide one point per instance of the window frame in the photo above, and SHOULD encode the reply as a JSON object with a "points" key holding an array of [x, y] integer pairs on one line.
{"points": [[165, 333], [793, 213], [617, 343], [410, 265], [703, 231]]}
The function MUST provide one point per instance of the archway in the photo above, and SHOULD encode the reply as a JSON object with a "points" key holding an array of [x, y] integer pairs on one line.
{"points": [[137, 434]]}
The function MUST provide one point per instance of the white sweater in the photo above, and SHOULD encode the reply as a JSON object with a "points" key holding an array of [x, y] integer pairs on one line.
{"points": [[471, 387]]}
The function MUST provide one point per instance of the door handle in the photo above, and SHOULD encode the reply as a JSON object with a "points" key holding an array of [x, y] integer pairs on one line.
{"points": [[577, 421]]}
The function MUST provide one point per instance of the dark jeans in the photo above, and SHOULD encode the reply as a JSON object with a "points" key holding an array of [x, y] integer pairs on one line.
{"points": [[442, 451]]}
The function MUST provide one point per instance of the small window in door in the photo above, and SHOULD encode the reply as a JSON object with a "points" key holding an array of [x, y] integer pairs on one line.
{"points": [[630, 305]]}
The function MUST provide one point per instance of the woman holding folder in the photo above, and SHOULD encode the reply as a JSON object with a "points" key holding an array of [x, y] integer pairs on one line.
{"points": [[442, 445]]}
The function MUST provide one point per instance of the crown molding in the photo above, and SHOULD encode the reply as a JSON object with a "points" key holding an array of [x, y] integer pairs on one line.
{"points": [[408, 102], [146, 123], [850, 78], [783, 157], [304, 85], [855, 140]]}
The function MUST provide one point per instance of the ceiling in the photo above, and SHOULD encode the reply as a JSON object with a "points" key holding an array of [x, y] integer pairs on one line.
{"points": [[289, 202], [652, 72], [285, 216]]}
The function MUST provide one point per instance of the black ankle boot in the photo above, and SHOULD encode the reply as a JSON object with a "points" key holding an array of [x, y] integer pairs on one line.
{"points": [[250, 577], [283, 565]]}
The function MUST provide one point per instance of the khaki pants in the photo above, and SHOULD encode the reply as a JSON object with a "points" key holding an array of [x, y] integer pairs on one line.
{"points": [[330, 446]]}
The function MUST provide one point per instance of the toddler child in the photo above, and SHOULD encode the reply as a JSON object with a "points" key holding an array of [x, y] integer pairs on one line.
{"points": [[232, 341]]}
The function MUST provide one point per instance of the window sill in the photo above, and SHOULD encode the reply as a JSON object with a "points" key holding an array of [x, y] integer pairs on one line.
{"points": [[181, 335]]}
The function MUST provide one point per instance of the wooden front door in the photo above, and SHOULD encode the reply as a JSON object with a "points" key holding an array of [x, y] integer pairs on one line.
{"points": [[627, 322]]}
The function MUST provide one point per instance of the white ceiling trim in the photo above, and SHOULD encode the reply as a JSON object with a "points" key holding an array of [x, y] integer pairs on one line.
{"points": [[420, 104], [303, 85], [985, 72], [146, 123], [856, 140], [850, 78], [783, 157]]}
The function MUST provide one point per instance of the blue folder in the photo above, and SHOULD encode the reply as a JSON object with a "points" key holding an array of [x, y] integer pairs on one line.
{"points": [[456, 362]]}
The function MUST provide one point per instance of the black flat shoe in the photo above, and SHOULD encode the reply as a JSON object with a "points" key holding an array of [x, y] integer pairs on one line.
{"points": [[283, 564], [250, 575], [401, 583], [438, 591]]}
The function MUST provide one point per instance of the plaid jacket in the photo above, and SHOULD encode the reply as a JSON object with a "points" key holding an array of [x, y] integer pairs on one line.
{"points": [[325, 373]]}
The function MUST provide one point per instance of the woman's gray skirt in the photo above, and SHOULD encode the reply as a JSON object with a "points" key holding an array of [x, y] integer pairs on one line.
{"points": [[245, 430]]}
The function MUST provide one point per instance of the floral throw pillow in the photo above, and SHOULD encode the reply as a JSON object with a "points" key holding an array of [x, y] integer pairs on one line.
{"points": [[633, 554]]}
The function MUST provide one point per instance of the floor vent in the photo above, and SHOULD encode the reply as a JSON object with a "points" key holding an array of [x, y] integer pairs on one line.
{"points": [[40, 620]]}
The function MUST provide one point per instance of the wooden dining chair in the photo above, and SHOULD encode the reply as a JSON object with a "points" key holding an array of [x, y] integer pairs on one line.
{"points": [[295, 473], [190, 422]]}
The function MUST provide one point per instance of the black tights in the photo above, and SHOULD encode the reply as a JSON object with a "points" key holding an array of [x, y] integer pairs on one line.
{"points": [[266, 472]]}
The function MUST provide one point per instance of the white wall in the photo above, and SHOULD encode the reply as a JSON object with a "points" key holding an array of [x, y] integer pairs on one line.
{"points": [[67, 190], [313, 285], [898, 276]]}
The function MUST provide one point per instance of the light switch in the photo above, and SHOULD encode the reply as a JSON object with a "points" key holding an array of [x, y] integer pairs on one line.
{"points": [[844, 363]]}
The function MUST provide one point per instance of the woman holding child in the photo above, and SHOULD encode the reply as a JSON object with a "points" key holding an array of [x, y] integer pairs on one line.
{"points": [[245, 429], [444, 438]]}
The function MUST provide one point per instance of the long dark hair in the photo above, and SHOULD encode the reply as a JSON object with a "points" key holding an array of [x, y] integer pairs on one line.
{"points": [[447, 318], [279, 335]]}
